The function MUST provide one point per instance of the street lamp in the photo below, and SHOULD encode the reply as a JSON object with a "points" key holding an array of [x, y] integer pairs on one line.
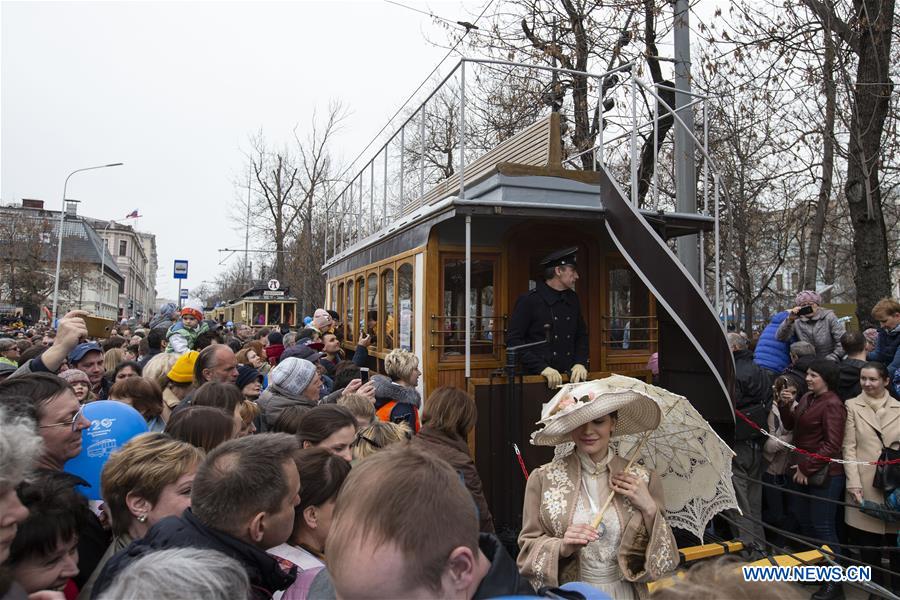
{"points": [[62, 220]]}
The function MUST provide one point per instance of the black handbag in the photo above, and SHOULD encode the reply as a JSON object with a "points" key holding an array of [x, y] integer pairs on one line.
{"points": [[887, 477]]}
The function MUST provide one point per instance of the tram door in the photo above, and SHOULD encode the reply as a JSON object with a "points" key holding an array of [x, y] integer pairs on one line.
{"points": [[529, 244]]}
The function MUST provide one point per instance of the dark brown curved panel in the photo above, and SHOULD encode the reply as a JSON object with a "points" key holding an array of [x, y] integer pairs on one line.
{"points": [[694, 357]]}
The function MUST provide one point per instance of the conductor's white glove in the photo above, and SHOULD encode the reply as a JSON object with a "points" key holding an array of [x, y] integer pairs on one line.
{"points": [[579, 373], [554, 379]]}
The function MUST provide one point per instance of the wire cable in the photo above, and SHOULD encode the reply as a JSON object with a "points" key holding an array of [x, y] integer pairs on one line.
{"points": [[786, 490], [412, 95], [809, 541], [784, 551]]}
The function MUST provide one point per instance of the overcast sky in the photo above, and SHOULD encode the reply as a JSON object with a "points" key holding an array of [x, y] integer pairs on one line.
{"points": [[174, 89]]}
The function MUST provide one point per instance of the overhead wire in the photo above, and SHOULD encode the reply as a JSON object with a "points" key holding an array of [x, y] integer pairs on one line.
{"points": [[416, 91]]}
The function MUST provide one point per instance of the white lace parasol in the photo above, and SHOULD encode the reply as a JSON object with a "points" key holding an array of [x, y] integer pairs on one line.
{"points": [[692, 461]]}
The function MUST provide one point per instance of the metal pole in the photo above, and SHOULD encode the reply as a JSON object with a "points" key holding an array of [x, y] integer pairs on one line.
{"points": [[359, 212], [705, 200], [462, 135], [384, 184], [634, 170], [468, 299], [655, 155], [62, 220], [422, 155], [247, 237], [600, 144], [685, 185], [372, 193], [719, 302], [402, 163], [179, 294], [325, 245]]}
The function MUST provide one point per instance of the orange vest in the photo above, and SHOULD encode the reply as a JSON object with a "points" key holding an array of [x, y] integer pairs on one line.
{"points": [[384, 413]]}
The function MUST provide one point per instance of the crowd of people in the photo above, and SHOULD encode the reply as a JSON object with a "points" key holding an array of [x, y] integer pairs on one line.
{"points": [[274, 466], [832, 394]]}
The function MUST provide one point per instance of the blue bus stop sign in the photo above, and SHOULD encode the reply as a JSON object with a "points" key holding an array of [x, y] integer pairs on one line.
{"points": [[183, 294], [181, 269]]}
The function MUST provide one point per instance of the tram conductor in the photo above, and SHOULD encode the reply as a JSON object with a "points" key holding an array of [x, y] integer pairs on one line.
{"points": [[552, 302]]}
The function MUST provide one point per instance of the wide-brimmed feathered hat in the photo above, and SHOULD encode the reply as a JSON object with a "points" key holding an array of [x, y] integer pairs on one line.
{"points": [[579, 404]]}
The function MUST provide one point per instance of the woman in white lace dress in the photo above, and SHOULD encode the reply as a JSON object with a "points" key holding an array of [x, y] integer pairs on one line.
{"points": [[633, 544]]}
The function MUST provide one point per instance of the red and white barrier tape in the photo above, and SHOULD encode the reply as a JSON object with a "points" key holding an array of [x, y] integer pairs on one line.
{"points": [[793, 448]]}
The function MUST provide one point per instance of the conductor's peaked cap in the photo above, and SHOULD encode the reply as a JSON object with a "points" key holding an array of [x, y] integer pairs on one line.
{"points": [[560, 258]]}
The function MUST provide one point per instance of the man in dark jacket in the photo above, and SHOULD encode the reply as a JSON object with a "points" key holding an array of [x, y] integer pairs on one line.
{"points": [[242, 504], [854, 344], [753, 398], [552, 302], [802, 354], [447, 559]]}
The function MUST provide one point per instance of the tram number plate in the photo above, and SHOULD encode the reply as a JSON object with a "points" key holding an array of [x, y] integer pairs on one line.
{"points": [[273, 293]]}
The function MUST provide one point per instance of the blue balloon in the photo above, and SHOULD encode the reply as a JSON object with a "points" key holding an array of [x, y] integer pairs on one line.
{"points": [[112, 425]]}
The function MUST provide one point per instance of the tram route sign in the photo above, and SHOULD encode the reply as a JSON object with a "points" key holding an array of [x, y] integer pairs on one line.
{"points": [[181, 269], [183, 294], [274, 284]]}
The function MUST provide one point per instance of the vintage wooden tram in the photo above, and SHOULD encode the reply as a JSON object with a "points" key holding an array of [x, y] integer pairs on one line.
{"points": [[408, 283], [258, 307]]}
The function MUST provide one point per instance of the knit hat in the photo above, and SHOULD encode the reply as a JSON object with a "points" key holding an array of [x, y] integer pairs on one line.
{"points": [[292, 375], [247, 374], [193, 308], [72, 376], [191, 312], [183, 369], [275, 337], [806, 297]]}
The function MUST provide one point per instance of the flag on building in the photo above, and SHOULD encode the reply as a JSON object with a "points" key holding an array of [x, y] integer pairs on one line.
{"points": [[133, 215]]}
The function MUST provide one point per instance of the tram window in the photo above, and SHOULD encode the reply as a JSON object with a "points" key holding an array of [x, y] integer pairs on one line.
{"points": [[629, 324], [332, 299], [288, 311], [360, 304], [405, 301], [351, 315], [259, 313], [340, 309], [372, 308], [274, 313], [387, 291], [481, 300]]}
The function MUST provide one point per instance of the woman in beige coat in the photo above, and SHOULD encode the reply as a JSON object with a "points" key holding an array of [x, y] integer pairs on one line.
{"points": [[869, 415], [634, 544]]}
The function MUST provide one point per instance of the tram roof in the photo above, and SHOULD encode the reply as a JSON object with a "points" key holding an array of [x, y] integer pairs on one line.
{"points": [[508, 190]]}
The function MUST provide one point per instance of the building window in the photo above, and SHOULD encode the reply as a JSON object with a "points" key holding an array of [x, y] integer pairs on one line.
{"points": [[779, 282], [123, 248]]}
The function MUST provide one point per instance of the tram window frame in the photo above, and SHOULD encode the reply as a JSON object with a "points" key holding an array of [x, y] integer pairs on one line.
{"points": [[360, 303], [377, 337], [383, 309], [645, 345], [340, 308], [398, 306], [350, 315], [494, 352]]}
